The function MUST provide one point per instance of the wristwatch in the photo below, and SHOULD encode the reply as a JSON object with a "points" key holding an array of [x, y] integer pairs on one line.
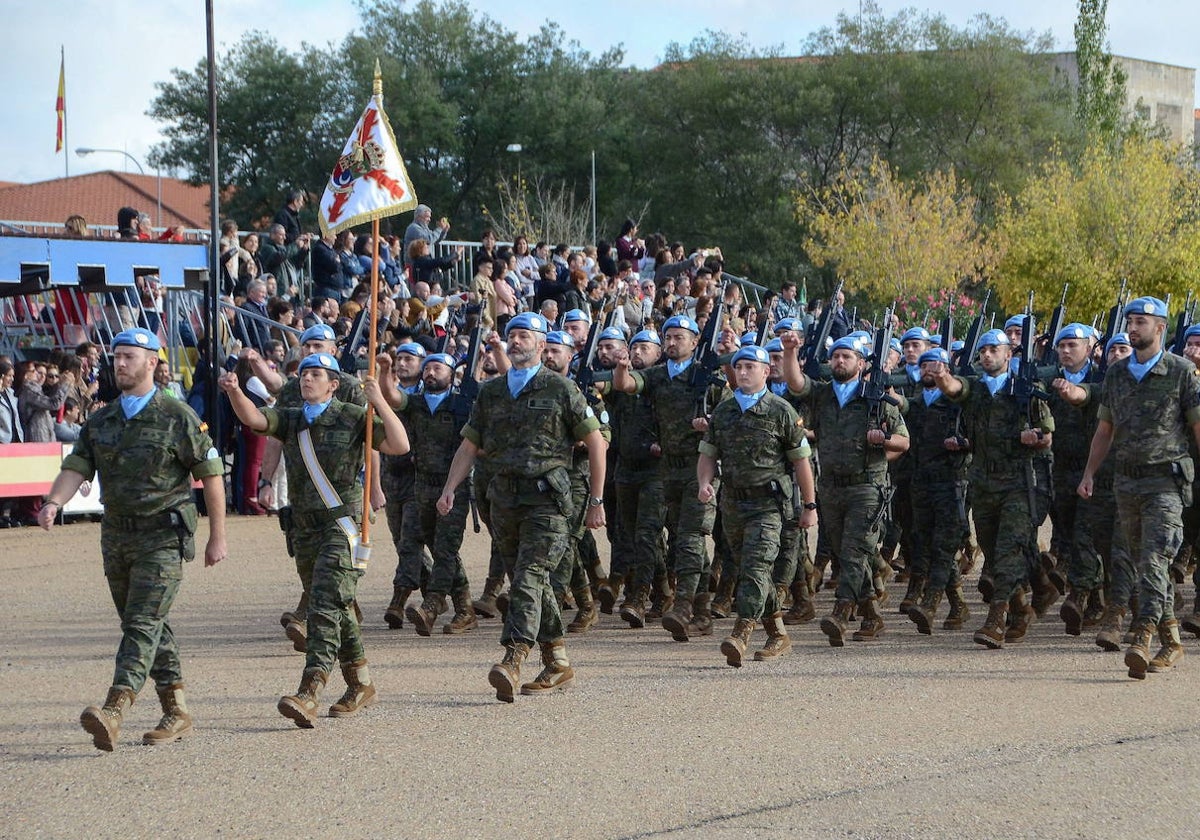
{"points": [[595, 501], [262, 482], [810, 505]]}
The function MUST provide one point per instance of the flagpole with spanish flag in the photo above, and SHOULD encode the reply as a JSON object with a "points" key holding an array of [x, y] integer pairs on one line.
{"points": [[368, 183], [60, 108]]}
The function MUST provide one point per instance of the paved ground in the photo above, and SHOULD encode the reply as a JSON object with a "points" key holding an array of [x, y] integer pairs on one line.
{"points": [[906, 737]]}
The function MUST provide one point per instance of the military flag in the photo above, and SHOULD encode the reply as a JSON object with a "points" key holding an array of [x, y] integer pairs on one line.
{"points": [[60, 105]]}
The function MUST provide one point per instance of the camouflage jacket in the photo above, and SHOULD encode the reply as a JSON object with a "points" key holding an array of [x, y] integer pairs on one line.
{"points": [[841, 435], [674, 403], [755, 446], [993, 426]]}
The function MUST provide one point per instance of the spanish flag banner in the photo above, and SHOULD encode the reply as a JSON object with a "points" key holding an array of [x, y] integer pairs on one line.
{"points": [[60, 105]]}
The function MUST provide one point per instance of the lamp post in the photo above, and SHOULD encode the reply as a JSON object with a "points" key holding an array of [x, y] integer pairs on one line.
{"points": [[84, 151]]}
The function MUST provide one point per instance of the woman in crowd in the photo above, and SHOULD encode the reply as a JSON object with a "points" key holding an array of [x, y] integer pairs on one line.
{"points": [[424, 265]]}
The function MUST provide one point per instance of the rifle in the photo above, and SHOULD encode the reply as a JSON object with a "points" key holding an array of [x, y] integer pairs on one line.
{"points": [[464, 399], [348, 361], [702, 375], [1182, 322], [585, 371], [873, 385], [947, 327], [1114, 325], [971, 341], [1024, 387], [1057, 319], [813, 352]]}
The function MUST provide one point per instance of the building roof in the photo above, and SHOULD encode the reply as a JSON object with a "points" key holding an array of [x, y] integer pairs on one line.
{"points": [[98, 196]]}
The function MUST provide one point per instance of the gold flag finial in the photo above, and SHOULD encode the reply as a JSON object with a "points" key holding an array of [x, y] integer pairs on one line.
{"points": [[378, 89]]}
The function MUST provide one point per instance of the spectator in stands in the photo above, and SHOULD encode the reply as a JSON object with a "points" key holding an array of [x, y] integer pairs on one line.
{"points": [[288, 216], [253, 332], [165, 382], [127, 223], [487, 249], [483, 293], [282, 312], [250, 446], [840, 326], [506, 294], [420, 229], [814, 312], [231, 251], [389, 271], [527, 267], [286, 261], [606, 263], [549, 310], [321, 310], [541, 253], [786, 305], [424, 265], [76, 226], [66, 429], [562, 261], [152, 297], [145, 227], [328, 278], [11, 430], [41, 391], [629, 247], [352, 267], [551, 287], [576, 296]]}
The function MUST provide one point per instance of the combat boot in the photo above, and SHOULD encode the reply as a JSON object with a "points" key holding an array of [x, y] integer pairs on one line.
{"points": [[991, 634], [722, 602], [986, 587], [301, 707], [834, 625], [701, 623], [1181, 564], [608, 593], [818, 572], [802, 609], [1137, 655], [871, 625], [1073, 609], [360, 691], [506, 674], [633, 609], [959, 613], [394, 614], [1045, 593], [557, 675], [922, 614], [677, 620], [734, 647], [1192, 622], [299, 614], [424, 616], [879, 584], [783, 598], [297, 631], [485, 604], [912, 595], [1172, 648], [1108, 637], [1127, 639], [103, 723], [1055, 569], [464, 619], [587, 615], [175, 723], [778, 642], [502, 604], [1094, 609], [1020, 614]]}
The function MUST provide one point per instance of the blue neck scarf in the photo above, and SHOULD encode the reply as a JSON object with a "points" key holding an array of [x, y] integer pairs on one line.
{"points": [[1014, 364], [845, 391], [914, 372], [931, 395], [1076, 378], [1138, 369], [411, 389], [994, 383], [778, 388], [434, 400], [131, 405], [518, 378], [748, 401], [312, 412], [675, 368]]}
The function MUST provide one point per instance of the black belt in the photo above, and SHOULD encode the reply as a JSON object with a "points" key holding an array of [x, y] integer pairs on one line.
{"points": [[831, 480], [745, 494], [160, 521], [318, 518], [1135, 471], [679, 460], [521, 484]]}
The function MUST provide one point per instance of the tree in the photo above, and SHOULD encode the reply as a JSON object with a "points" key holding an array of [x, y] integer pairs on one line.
{"points": [[1130, 212], [1100, 94]]}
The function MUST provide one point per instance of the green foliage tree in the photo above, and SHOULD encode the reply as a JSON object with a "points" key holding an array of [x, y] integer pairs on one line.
{"points": [[1100, 93]]}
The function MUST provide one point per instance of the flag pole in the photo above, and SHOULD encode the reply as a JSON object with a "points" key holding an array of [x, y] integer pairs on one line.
{"points": [[372, 350]]}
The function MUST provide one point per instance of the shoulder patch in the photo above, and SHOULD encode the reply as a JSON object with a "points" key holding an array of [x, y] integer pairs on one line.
{"points": [[587, 412], [211, 454]]}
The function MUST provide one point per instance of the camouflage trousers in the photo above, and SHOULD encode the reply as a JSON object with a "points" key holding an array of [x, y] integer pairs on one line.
{"points": [[442, 535], [753, 529], [531, 538], [1005, 533], [144, 570], [689, 521], [1065, 513], [323, 558], [1100, 557], [414, 563], [900, 528], [1152, 524], [642, 512], [847, 513], [939, 519], [793, 564], [480, 479]]}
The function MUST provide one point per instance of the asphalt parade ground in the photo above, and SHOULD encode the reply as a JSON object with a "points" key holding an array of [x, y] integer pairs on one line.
{"points": [[907, 736]]}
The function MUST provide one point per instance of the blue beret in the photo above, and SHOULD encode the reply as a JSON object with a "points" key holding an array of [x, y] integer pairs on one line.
{"points": [[994, 338], [895, 345], [753, 353], [574, 315], [1146, 306], [318, 332], [1119, 338], [1194, 329], [788, 324], [528, 321], [1075, 330], [937, 354], [320, 360], [647, 335], [682, 322], [1014, 321], [412, 349], [774, 346], [850, 342], [612, 334], [957, 345], [748, 339], [444, 358], [137, 337], [560, 337], [915, 334], [935, 340]]}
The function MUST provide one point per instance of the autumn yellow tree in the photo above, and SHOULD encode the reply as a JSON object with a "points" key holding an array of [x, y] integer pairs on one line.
{"points": [[892, 239], [1130, 211]]}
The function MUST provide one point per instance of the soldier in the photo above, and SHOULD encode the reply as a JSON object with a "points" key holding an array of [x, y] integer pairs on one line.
{"points": [[322, 449], [756, 436], [610, 348], [1147, 406], [1003, 441], [1191, 515], [526, 425], [913, 343], [487, 605], [147, 449], [855, 445]]}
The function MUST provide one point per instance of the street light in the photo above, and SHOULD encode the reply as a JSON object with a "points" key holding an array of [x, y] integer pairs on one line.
{"points": [[84, 151]]}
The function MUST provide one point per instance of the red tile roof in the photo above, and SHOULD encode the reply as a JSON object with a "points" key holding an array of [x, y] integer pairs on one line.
{"points": [[98, 196]]}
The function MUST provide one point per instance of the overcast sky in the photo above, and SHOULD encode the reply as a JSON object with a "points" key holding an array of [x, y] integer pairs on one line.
{"points": [[116, 50]]}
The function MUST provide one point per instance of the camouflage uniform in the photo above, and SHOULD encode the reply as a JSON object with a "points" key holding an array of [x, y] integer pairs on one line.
{"points": [[1074, 427], [1153, 469], [146, 466], [756, 448], [323, 553], [526, 444], [397, 477], [639, 485]]}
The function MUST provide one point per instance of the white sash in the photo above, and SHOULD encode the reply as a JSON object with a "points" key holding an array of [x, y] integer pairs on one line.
{"points": [[359, 554]]}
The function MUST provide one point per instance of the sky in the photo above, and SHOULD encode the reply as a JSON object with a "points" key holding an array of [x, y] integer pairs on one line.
{"points": [[116, 50]]}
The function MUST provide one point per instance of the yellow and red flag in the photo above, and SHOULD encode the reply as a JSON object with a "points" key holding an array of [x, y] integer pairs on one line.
{"points": [[60, 106], [369, 181]]}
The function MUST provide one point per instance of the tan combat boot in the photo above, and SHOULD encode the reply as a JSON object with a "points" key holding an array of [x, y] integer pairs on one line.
{"points": [[834, 625], [959, 613], [1137, 656], [986, 586], [464, 619], [734, 647], [991, 634], [912, 595], [1172, 648], [297, 631], [557, 673], [802, 609], [360, 691], [175, 723], [701, 623], [871, 625], [1055, 569], [1045, 593], [677, 620], [424, 616], [300, 614], [301, 707], [1020, 614], [485, 604], [506, 674], [588, 615], [922, 614], [633, 610], [608, 592], [103, 723], [778, 642], [394, 614], [722, 602], [1073, 609], [1108, 637], [1093, 610]]}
